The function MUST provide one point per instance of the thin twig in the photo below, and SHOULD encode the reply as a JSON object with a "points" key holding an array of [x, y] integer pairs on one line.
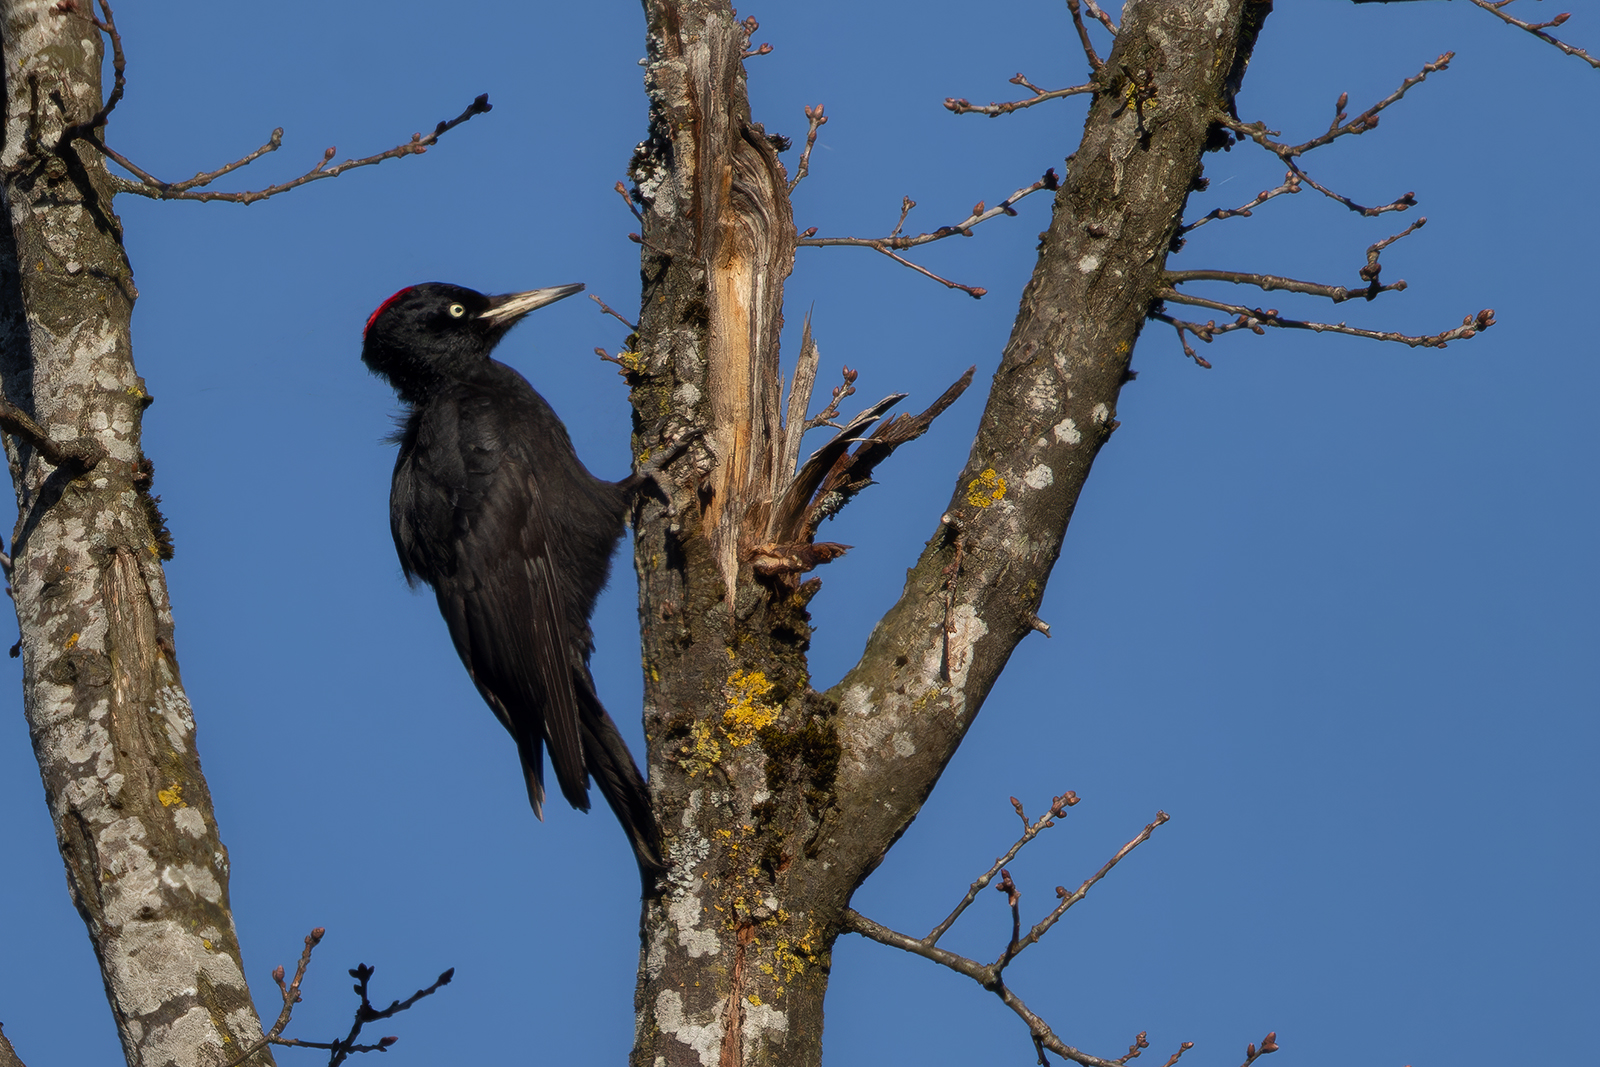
{"points": [[1104, 19], [1373, 268], [1095, 62], [1272, 282], [1367, 120], [1291, 184], [963, 228], [827, 415], [817, 120], [366, 1013], [1256, 319], [1400, 203], [291, 997], [750, 26], [622, 191], [607, 309], [897, 240], [150, 186], [1057, 808], [1538, 28], [990, 976], [1043, 926], [977, 292], [906, 204], [963, 106]]}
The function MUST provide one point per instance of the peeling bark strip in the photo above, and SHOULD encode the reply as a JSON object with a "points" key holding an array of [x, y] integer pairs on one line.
{"points": [[111, 726], [776, 801]]}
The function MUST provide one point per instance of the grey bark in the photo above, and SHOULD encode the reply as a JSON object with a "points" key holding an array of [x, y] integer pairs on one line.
{"points": [[777, 801], [8, 1055], [107, 714]]}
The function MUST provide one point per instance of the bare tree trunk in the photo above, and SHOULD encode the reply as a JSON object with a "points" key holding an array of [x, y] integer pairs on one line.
{"points": [[776, 801], [111, 726]]}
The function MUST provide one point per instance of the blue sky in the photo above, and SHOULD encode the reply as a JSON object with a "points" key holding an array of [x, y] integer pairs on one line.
{"points": [[1326, 604]]}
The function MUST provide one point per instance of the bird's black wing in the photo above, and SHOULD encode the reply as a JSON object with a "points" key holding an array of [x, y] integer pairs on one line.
{"points": [[499, 591]]}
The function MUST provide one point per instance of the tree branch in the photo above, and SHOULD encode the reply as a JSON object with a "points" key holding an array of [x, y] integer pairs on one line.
{"points": [[1537, 28], [150, 186], [1272, 282], [1254, 319], [817, 120], [81, 454], [290, 994], [897, 241], [1291, 184], [1367, 120], [989, 976], [963, 106]]}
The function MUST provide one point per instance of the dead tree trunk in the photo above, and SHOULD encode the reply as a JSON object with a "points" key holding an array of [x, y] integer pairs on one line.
{"points": [[106, 709], [776, 801]]}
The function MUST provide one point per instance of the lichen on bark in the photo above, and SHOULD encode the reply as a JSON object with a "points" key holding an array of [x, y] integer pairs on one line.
{"points": [[110, 723], [772, 828]]}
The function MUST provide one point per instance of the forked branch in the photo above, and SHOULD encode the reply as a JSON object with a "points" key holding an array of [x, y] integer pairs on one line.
{"points": [[193, 189], [1256, 320], [962, 106], [990, 975], [897, 241], [365, 1013], [92, 131]]}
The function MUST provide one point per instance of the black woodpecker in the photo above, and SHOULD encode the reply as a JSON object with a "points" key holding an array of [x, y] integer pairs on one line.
{"points": [[491, 507]]}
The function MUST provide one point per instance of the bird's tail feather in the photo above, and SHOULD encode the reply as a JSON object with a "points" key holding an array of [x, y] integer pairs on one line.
{"points": [[614, 771]]}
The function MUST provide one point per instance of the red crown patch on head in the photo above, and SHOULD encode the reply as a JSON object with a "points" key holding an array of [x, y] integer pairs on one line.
{"points": [[382, 308]]}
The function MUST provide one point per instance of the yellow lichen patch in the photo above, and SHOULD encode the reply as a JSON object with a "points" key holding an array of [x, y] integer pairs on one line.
{"points": [[71, 643], [172, 795], [752, 998], [747, 713], [985, 489], [701, 752]]}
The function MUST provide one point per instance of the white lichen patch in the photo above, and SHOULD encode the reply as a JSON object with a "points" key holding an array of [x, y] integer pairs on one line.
{"points": [[190, 822], [704, 1037], [1039, 477], [194, 880], [967, 629], [903, 745], [759, 1021], [1101, 414], [174, 708], [1089, 263], [685, 911], [1067, 432], [160, 961], [655, 956], [85, 742], [857, 700], [134, 889], [191, 1038], [245, 1026], [1042, 397]]}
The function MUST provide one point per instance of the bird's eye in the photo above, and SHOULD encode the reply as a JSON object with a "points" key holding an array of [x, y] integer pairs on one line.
{"points": [[456, 311]]}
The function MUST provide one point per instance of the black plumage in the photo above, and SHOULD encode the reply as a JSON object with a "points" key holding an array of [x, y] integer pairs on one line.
{"points": [[491, 507]]}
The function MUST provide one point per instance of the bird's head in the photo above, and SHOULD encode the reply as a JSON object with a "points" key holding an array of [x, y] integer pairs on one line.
{"points": [[434, 332]]}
